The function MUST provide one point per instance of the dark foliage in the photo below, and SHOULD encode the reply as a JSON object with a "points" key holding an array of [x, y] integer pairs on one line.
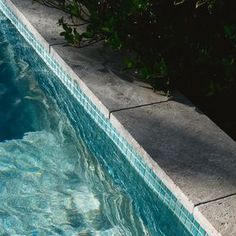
{"points": [[181, 43], [185, 44]]}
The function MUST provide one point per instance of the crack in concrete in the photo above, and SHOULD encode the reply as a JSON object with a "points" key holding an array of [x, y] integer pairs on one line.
{"points": [[214, 200], [138, 106]]}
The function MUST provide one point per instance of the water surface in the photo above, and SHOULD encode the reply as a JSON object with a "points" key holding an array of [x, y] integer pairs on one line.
{"points": [[59, 173]]}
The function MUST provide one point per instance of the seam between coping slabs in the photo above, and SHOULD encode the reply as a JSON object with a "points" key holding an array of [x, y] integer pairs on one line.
{"points": [[215, 199], [146, 167]]}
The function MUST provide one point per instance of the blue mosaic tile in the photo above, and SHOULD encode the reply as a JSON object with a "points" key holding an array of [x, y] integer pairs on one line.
{"points": [[202, 232], [194, 230], [132, 156]]}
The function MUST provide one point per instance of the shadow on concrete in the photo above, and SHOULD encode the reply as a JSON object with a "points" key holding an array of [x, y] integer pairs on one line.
{"points": [[194, 152]]}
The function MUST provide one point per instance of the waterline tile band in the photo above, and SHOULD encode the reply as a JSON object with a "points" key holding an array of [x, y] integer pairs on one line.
{"points": [[85, 97]]}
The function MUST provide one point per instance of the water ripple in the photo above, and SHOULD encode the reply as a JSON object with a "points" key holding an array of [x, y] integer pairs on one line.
{"points": [[59, 173]]}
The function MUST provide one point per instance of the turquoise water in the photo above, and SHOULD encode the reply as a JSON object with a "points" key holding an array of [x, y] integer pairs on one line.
{"points": [[59, 173]]}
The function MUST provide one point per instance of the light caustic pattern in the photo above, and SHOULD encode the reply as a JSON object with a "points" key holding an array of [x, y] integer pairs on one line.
{"points": [[59, 173]]}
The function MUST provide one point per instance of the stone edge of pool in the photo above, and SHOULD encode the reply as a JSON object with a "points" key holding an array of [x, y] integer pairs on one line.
{"points": [[110, 115]]}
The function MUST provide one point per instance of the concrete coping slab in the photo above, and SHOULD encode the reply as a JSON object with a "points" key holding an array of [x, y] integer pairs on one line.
{"points": [[91, 64], [186, 146]]}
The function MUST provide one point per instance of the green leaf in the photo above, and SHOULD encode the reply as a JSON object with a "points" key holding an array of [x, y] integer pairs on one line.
{"points": [[145, 72], [178, 2], [88, 34], [129, 63], [106, 29], [201, 2]]}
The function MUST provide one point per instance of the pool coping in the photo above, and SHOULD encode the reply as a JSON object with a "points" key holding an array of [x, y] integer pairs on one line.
{"points": [[115, 123]]}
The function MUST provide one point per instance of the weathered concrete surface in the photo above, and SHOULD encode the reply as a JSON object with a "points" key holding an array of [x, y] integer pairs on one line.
{"points": [[198, 156], [91, 66], [222, 215], [95, 65], [193, 151], [44, 21]]}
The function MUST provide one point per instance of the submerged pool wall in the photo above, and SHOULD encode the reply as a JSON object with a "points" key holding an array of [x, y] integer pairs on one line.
{"points": [[153, 175]]}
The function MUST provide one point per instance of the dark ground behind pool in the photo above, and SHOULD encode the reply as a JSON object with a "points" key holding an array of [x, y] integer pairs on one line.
{"points": [[59, 173], [219, 108]]}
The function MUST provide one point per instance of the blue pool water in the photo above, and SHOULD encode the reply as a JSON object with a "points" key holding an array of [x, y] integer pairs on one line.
{"points": [[59, 173]]}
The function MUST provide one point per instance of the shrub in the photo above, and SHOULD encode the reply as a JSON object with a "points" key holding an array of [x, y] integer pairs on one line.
{"points": [[186, 44]]}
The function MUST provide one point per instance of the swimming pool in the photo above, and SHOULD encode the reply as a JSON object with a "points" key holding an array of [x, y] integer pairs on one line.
{"points": [[60, 173]]}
